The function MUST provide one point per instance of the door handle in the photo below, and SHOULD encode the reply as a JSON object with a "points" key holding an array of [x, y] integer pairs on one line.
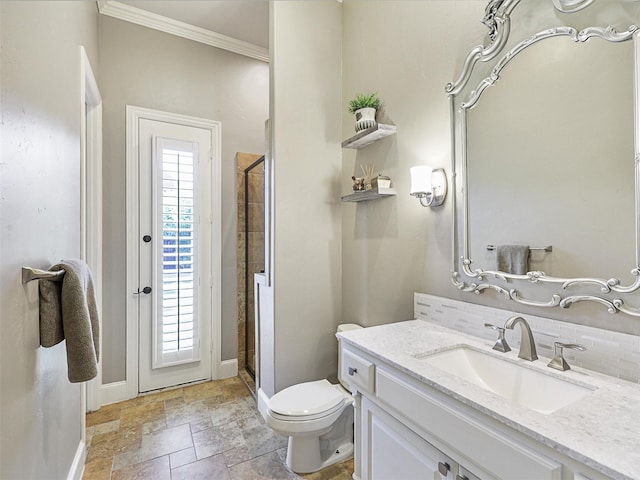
{"points": [[146, 290]]}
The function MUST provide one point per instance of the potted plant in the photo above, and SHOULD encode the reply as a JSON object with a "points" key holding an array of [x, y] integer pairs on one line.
{"points": [[364, 106]]}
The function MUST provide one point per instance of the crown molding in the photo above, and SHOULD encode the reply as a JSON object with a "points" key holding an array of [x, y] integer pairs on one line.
{"points": [[174, 27]]}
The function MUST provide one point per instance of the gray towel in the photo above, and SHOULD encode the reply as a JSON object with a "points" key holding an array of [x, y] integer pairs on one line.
{"points": [[513, 259], [68, 311]]}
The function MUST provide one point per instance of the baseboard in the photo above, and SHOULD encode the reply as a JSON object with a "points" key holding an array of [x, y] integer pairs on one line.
{"points": [[263, 403], [113, 392], [77, 466], [228, 368]]}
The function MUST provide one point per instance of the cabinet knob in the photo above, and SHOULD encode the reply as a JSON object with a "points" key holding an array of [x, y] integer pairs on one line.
{"points": [[352, 371], [461, 477], [443, 468]]}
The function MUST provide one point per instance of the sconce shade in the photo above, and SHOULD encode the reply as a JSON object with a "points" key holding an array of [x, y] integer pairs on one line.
{"points": [[428, 185], [420, 179]]}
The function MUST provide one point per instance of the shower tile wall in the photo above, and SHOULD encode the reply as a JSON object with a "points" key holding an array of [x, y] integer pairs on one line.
{"points": [[256, 246]]}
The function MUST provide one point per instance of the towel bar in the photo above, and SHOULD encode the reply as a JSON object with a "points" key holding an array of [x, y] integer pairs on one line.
{"points": [[548, 248], [29, 274]]}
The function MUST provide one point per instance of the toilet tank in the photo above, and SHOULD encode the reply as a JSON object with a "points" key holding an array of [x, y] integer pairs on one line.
{"points": [[344, 327]]}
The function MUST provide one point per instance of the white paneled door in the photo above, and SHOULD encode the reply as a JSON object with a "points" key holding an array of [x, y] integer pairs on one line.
{"points": [[175, 259]]}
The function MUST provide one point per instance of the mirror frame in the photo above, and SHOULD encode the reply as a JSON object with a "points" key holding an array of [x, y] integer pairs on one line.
{"points": [[559, 292]]}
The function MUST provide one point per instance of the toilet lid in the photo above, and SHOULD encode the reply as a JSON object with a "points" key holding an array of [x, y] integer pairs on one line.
{"points": [[306, 399]]}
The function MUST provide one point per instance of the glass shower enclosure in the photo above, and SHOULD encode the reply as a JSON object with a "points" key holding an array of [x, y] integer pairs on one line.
{"points": [[254, 231]]}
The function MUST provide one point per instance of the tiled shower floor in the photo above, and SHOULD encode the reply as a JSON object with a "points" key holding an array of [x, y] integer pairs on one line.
{"points": [[208, 431]]}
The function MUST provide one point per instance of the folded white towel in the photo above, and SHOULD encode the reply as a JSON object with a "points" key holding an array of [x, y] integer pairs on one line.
{"points": [[68, 311]]}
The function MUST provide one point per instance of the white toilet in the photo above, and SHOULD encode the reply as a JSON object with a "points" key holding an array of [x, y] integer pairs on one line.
{"points": [[318, 419]]}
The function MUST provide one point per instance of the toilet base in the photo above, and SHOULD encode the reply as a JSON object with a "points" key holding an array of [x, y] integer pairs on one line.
{"points": [[310, 461], [307, 454]]}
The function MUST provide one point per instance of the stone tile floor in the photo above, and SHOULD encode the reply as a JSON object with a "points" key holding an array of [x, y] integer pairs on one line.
{"points": [[207, 431]]}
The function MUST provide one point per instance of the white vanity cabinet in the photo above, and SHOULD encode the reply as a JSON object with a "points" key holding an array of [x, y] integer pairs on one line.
{"points": [[406, 429], [396, 452]]}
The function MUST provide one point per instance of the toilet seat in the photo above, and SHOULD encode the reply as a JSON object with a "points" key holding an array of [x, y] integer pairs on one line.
{"points": [[307, 401]]}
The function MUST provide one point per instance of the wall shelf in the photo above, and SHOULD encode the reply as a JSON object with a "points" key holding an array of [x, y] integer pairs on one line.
{"points": [[368, 136], [369, 195]]}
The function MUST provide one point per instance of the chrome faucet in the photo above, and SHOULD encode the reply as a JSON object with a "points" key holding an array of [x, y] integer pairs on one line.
{"points": [[527, 344]]}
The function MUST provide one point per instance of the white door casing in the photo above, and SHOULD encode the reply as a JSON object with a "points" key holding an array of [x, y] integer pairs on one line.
{"points": [[91, 200], [146, 130]]}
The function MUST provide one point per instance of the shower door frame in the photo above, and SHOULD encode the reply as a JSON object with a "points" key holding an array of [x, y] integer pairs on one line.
{"points": [[249, 281]]}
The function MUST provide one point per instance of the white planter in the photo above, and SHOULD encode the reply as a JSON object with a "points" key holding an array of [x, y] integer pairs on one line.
{"points": [[365, 118]]}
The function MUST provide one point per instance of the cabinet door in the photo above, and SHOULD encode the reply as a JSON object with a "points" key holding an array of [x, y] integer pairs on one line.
{"points": [[464, 474], [393, 451]]}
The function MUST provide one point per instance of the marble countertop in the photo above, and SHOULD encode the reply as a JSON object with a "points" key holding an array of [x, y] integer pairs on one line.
{"points": [[601, 430]]}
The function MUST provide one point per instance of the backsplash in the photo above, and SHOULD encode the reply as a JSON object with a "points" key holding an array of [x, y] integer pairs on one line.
{"points": [[611, 353]]}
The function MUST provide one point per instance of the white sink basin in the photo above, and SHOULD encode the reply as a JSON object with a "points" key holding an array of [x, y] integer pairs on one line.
{"points": [[525, 386]]}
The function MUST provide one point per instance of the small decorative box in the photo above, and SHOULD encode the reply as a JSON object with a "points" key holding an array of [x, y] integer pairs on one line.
{"points": [[380, 181]]}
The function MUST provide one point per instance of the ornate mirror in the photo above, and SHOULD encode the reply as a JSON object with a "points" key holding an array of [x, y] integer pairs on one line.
{"points": [[545, 154]]}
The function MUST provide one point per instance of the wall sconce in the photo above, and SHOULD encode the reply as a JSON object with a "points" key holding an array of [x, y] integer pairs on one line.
{"points": [[429, 185]]}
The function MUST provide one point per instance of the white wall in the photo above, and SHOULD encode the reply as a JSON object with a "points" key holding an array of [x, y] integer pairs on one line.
{"points": [[406, 51], [40, 411], [168, 73], [305, 111]]}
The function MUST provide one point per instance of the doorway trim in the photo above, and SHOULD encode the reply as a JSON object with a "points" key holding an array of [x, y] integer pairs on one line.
{"points": [[90, 169], [133, 115], [91, 200]]}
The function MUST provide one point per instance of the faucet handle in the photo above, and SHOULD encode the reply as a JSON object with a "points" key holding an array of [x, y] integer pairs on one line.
{"points": [[558, 362], [501, 344], [572, 346]]}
